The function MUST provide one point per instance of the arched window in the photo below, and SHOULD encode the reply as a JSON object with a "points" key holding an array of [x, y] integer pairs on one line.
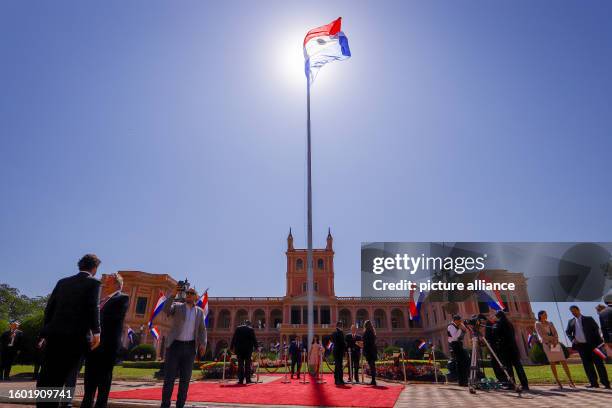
{"points": [[320, 263], [299, 264]]}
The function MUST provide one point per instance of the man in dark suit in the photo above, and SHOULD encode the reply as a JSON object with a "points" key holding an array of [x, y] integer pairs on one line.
{"points": [[352, 343], [11, 343], [295, 351], [584, 334], [71, 324], [101, 361], [243, 344], [339, 348], [605, 319]]}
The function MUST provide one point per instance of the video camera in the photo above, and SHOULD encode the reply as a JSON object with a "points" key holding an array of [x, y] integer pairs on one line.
{"points": [[476, 322], [183, 285]]}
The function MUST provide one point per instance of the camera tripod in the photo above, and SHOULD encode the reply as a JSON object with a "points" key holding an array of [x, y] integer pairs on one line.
{"points": [[473, 382]]}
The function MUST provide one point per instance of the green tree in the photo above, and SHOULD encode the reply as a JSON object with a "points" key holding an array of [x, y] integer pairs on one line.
{"points": [[31, 327], [16, 306]]}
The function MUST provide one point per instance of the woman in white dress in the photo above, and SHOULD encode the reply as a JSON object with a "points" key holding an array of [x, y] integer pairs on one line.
{"points": [[552, 348], [314, 356]]}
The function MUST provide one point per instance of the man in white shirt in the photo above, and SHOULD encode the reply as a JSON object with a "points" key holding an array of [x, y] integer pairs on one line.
{"points": [[584, 333], [456, 331], [186, 336]]}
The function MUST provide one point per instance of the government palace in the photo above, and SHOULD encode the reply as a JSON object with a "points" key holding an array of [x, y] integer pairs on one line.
{"points": [[278, 319]]}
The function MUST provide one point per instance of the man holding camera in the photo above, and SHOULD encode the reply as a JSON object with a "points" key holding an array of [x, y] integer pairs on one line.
{"points": [[186, 336], [456, 331]]}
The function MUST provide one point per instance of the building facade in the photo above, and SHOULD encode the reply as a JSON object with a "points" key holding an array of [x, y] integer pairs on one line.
{"points": [[278, 319]]}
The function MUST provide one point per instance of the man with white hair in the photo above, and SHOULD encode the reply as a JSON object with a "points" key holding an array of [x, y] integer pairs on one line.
{"points": [[100, 362]]}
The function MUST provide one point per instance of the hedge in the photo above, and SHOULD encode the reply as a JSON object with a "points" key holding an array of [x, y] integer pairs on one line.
{"points": [[158, 365]]}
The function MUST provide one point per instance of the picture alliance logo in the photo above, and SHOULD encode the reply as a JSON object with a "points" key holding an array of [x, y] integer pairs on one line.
{"points": [[414, 264]]}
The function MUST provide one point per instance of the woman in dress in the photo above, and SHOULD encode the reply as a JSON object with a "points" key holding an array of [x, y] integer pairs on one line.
{"points": [[314, 356], [369, 349], [552, 348]]}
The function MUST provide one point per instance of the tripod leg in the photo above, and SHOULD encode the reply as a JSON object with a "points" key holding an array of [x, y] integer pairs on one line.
{"points": [[473, 380], [503, 367]]}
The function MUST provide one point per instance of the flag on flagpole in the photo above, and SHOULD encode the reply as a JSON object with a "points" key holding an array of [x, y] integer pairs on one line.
{"points": [[130, 334], [414, 308], [323, 45], [423, 345], [159, 305], [492, 297], [530, 339], [203, 303], [155, 332]]}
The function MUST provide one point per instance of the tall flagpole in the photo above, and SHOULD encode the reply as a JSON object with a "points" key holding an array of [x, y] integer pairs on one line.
{"points": [[309, 269]]}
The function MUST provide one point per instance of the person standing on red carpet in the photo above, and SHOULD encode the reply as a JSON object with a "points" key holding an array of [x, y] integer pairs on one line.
{"points": [[187, 334]]}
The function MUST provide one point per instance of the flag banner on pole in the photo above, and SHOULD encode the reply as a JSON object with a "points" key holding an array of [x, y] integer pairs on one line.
{"points": [[130, 334], [323, 45], [155, 332], [414, 308], [492, 297], [159, 305], [423, 345], [203, 303]]}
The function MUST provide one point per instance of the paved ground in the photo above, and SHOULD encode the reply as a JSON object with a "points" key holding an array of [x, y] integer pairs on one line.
{"points": [[413, 396]]}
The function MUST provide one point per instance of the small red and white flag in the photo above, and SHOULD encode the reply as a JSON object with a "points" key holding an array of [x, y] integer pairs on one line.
{"points": [[600, 351]]}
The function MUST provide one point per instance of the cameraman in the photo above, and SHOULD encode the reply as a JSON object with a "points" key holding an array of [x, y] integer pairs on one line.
{"points": [[456, 331], [494, 342]]}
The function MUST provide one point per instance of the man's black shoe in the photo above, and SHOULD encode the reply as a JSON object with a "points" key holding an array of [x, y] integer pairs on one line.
{"points": [[592, 386]]}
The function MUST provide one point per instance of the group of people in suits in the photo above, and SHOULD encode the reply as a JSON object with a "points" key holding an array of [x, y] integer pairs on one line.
{"points": [[582, 331], [11, 342], [79, 328], [353, 345]]}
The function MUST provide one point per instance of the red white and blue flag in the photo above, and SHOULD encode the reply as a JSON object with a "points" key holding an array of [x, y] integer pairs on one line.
{"points": [[155, 332], [130, 334], [530, 339], [414, 308], [323, 45], [203, 303], [423, 345], [330, 346], [599, 351], [492, 297], [159, 305]]}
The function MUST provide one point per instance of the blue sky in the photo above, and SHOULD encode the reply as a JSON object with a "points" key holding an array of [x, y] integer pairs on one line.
{"points": [[170, 137]]}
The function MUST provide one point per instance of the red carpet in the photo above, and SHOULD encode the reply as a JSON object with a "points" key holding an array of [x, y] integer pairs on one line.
{"points": [[277, 393]]}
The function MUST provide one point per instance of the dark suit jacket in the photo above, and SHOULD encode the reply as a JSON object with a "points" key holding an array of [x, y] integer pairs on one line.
{"points": [[295, 350], [605, 319], [244, 341], [505, 341], [339, 342], [5, 340], [351, 342], [112, 316], [73, 311], [590, 328], [369, 345]]}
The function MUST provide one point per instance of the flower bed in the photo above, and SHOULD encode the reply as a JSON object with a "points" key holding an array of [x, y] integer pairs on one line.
{"points": [[416, 370], [214, 369]]}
